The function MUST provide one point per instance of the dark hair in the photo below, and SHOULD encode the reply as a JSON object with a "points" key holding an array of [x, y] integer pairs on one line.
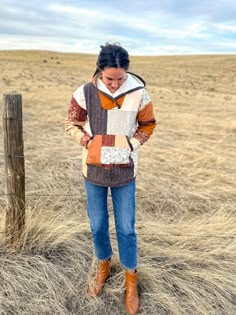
{"points": [[112, 56]]}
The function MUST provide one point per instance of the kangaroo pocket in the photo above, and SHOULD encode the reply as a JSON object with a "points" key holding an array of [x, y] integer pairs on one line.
{"points": [[109, 149]]}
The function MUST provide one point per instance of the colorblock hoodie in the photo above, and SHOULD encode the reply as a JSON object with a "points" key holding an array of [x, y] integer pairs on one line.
{"points": [[117, 124]]}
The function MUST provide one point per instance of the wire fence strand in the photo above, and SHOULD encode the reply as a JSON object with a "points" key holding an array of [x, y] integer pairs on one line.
{"points": [[232, 236], [167, 198]]}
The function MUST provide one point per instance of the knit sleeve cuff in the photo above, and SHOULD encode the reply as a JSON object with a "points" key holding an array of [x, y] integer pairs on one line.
{"points": [[85, 139], [135, 143]]}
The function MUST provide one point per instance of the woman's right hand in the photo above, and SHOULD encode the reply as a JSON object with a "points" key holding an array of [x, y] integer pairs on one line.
{"points": [[89, 143]]}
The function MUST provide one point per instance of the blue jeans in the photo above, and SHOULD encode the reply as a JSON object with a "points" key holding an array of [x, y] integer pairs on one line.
{"points": [[123, 200]]}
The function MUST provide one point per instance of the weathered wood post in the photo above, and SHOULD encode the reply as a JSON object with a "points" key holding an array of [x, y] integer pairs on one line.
{"points": [[14, 166]]}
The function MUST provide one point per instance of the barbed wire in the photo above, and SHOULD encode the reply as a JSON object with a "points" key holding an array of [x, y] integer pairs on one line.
{"points": [[61, 123], [175, 235], [159, 198], [11, 156], [43, 195]]}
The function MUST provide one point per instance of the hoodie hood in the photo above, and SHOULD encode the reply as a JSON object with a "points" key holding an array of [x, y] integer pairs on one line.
{"points": [[132, 83]]}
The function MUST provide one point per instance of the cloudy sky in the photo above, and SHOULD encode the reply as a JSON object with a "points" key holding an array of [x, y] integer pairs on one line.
{"points": [[143, 27]]}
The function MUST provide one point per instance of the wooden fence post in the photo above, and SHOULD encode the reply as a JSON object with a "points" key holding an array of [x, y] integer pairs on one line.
{"points": [[14, 166]]}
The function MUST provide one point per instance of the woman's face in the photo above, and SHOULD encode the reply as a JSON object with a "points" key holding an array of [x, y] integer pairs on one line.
{"points": [[113, 78]]}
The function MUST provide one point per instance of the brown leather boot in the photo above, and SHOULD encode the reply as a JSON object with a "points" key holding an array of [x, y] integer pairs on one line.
{"points": [[102, 274], [131, 299]]}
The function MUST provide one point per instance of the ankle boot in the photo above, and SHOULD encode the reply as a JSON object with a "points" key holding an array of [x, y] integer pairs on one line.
{"points": [[131, 299], [102, 274]]}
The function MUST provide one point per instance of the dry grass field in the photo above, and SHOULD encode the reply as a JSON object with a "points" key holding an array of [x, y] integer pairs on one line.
{"points": [[186, 191]]}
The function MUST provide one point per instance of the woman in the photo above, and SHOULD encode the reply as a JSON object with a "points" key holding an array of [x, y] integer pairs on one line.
{"points": [[111, 117]]}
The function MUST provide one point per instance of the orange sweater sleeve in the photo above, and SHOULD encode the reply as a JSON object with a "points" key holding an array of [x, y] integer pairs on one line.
{"points": [[146, 123]]}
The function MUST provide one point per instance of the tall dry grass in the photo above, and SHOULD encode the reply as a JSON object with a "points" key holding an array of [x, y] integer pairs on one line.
{"points": [[185, 267], [186, 192]]}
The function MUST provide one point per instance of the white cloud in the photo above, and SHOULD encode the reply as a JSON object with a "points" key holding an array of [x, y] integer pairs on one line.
{"points": [[80, 14], [165, 29], [229, 45], [29, 42], [153, 24], [225, 27]]}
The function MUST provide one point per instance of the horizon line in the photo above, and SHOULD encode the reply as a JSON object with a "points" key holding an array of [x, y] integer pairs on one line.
{"points": [[132, 55]]}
